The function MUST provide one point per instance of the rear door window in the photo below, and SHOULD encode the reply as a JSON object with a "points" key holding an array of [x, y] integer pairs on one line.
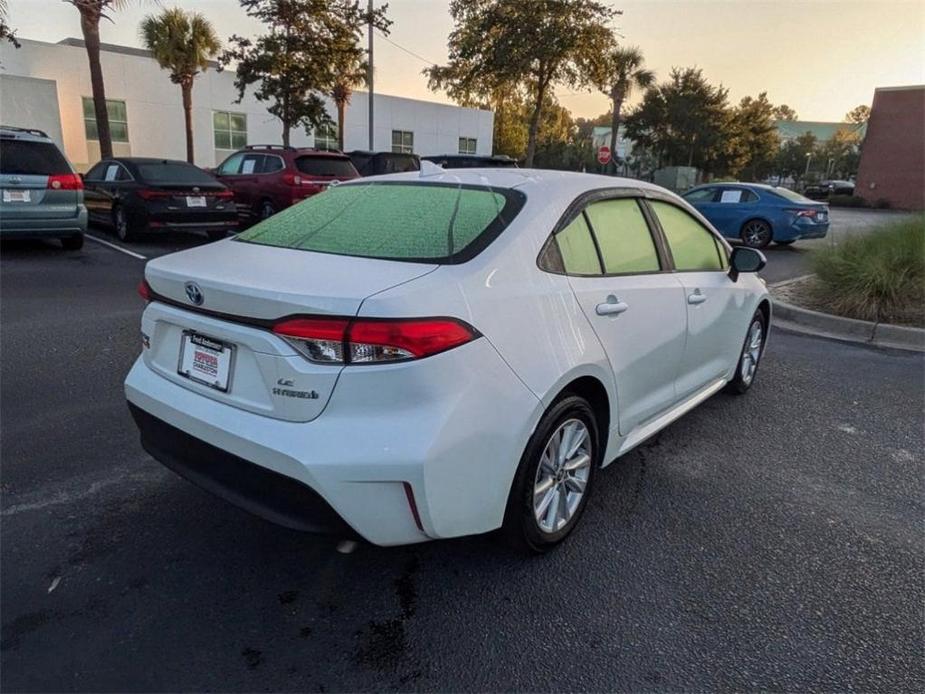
{"points": [[30, 158], [420, 222], [701, 195], [692, 246], [623, 236], [333, 167]]}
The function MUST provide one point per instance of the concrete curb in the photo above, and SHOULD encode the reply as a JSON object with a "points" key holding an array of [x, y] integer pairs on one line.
{"points": [[803, 320]]}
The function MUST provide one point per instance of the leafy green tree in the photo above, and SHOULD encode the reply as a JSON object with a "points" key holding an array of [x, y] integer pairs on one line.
{"points": [[618, 73], [795, 157], [683, 121], [299, 58], [841, 153], [859, 114], [182, 43], [784, 112], [522, 44], [753, 139], [91, 11]]}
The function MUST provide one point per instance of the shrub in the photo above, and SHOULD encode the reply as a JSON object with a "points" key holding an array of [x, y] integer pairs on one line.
{"points": [[847, 201], [879, 276]]}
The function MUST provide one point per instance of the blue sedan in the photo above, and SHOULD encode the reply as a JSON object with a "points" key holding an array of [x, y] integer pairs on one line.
{"points": [[757, 214]]}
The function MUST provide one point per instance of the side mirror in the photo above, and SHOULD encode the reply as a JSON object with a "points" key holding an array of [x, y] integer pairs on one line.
{"points": [[745, 259]]}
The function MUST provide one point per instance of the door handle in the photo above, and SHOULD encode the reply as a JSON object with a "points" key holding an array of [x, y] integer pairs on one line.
{"points": [[611, 307], [696, 298]]}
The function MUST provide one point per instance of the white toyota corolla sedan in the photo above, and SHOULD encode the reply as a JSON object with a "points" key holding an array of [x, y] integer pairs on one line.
{"points": [[436, 354]]}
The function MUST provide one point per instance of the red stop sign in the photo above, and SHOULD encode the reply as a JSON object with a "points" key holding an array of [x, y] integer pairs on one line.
{"points": [[603, 154]]}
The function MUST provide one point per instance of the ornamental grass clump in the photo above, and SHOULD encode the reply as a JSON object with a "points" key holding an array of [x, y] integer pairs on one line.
{"points": [[877, 277]]}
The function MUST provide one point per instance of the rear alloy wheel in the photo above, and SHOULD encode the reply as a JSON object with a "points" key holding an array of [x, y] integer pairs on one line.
{"points": [[555, 477], [756, 233], [121, 224], [752, 350], [73, 243], [266, 210]]}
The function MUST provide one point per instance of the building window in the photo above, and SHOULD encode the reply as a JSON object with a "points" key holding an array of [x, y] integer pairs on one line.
{"points": [[230, 130], [118, 120], [467, 145], [403, 141], [326, 137]]}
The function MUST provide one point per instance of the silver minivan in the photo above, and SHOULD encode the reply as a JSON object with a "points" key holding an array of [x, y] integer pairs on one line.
{"points": [[40, 194]]}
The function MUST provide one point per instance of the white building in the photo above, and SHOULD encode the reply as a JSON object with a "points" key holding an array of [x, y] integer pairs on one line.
{"points": [[47, 86]]}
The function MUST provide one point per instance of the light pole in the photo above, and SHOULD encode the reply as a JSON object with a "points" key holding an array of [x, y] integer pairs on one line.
{"points": [[369, 72]]}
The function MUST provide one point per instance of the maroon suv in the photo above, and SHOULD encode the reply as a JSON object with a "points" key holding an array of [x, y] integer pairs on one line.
{"points": [[268, 178]]}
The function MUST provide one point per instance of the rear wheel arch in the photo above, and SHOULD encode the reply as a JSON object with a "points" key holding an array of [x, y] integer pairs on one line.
{"points": [[595, 393]]}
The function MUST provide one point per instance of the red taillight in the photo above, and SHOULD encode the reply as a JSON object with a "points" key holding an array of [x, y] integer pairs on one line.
{"points": [[802, 212], [291, 179], [370, 341], [148, 193], [65, 182], [144, 290], [224, 194]]}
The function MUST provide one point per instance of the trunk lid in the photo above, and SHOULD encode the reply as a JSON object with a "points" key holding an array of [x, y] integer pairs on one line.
{"points": [[243, 288]]}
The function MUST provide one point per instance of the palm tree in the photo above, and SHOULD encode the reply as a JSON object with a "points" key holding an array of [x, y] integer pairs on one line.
{"points": [[91, 11], [351, 76], [182, 43], [623, 72]]}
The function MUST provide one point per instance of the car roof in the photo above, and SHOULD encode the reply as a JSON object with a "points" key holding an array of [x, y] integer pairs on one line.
{"points": [[147, 160], [26, 134], [547, 183]]}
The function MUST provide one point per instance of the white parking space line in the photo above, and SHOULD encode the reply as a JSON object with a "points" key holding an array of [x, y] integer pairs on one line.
{"points": [[117, 248]]}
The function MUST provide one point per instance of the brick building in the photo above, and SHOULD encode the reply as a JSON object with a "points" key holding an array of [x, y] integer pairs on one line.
{"points": [[892, 164]]}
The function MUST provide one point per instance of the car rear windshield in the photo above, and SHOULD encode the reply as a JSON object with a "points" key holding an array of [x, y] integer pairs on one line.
{"points": [[418, 222], [788, 194], [172, 172], [29, 158], [326, 166]]}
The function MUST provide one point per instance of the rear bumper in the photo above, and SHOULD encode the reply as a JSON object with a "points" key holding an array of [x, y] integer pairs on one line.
{"points": [[226, 220], [803, 230], [452, 432], [39, 227], [256, 489]]}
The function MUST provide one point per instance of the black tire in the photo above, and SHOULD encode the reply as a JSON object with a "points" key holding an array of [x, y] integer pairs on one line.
{"points": [[73, 243], [216, 234], [740, 383], [122, 225], [785, 243], [266, 210], [521, 528], [756, 233]]}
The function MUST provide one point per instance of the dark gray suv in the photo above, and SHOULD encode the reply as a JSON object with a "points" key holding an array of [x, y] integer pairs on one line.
{"points": [[40, 195]]}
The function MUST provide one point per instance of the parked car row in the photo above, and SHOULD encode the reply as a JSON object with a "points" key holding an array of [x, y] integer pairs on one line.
{"points": [[44, 197]]}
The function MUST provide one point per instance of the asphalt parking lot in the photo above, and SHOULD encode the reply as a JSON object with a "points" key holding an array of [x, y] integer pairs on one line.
{"points": [[768, 542]]}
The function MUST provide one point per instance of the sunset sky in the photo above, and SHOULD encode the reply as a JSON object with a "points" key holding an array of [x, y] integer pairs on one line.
{"points": [[822, 58]]}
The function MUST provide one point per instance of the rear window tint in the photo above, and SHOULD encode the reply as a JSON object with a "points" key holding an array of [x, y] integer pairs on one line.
{"points": [[442, 223], [326, 166], [172, 172], [31, 158]]}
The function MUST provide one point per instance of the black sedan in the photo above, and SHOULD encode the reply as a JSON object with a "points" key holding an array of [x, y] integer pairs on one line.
{"points": [[135, 195], [472, 161]]}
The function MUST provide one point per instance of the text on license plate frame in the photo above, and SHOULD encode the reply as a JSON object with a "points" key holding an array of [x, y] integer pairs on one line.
{"points": [[216, 354], [10, 195], [196, 201]]}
